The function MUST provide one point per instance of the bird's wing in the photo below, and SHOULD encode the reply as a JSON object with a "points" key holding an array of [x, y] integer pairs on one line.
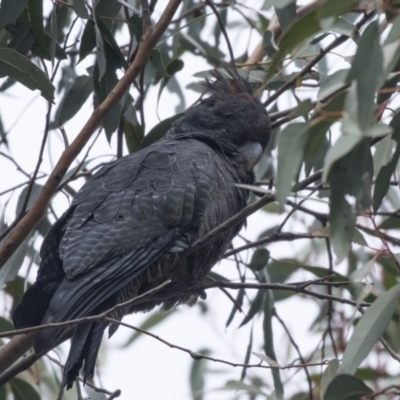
{"points": [[126, 217]]}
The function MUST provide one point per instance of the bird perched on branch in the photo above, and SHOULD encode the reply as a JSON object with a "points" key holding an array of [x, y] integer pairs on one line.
{"points": [[129, 227]]}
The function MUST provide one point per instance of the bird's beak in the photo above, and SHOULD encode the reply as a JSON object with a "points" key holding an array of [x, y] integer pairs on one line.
{"points": [[252, 152]]}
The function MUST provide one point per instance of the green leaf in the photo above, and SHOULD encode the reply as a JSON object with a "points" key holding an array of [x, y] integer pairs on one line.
{"points": [[159, 130], [342, 224], [239, 302], [238, 385], [135, 24], [383, 153], [269, 343], [36, 189], [35, 11], [267, 359], [108, 39], [391, 223], [345, 27], [276, 3], [43, 49], [281, 270], [342, 147], [328, 375], [5, 325], [10, 10], [322, 18], [80, 9], [286, 14], [391, 56], [351, 175], [3, 392], [23, 39], [133, 136], [88, 40], [53, 31], [346, 387], [369, 329], [394, 33], [102, 87], [101, 55], [290, 156], [333, 83], [23, 390], [74, 99], [108, 8], [269, 46], [24, 71], [259, 259], [132, 129], [369, 53], [255, 308], [382, 182], [197, 372]]}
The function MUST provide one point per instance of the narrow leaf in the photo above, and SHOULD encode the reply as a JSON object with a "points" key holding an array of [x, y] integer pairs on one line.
{"points": [[35, 10], [23, 39], [290, 156], [286, 14], [23, 390], [267, 359], [75, 98], [369, 53], [369, 329], [269, 343], [10, 10], [346, 387], [24, 71], [328, 375], [255, 307], [80, 9], [88, 40], [197, 373]]}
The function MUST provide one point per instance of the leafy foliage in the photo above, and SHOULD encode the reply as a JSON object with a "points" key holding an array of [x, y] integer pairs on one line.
{"points": [[328, 73]]}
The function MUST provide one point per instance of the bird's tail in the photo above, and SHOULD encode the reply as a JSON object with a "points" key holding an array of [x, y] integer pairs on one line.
{"points": [[85, 346]]}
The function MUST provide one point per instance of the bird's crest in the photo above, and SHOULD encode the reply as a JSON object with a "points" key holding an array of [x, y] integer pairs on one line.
{"points": [[229, 82]]}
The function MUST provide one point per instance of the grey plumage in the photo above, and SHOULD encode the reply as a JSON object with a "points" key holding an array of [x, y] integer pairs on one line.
{"points": [[129, 224]]}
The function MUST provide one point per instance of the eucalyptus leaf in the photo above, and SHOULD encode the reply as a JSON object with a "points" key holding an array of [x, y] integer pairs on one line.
{"points": [[346, 387], [369, 329], [10, 10], [24, 71]]}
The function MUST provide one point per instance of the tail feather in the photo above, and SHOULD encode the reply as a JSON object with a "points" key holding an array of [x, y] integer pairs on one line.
{"points": [[85, 346]]}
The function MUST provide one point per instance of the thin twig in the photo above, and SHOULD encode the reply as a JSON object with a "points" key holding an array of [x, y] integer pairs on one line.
{"points": [[198, 356], [83, 320], [301, 358], [223, 30], [337, 42], [19, 168], [282, 286], [274, 237], [330, 303], [39, 161]]}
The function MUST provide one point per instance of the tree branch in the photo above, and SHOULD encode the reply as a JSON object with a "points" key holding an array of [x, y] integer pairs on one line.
{"points": [[307, 68], [198, 356]]}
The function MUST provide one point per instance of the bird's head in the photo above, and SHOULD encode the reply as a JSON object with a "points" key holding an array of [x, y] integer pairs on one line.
{"points": [[232, 114]]}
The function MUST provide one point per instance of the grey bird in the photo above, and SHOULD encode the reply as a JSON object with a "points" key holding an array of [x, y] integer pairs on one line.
{"points": [[129, 227]]}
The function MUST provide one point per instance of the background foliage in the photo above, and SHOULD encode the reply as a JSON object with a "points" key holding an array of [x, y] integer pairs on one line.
{"points": [[328, 72]]}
